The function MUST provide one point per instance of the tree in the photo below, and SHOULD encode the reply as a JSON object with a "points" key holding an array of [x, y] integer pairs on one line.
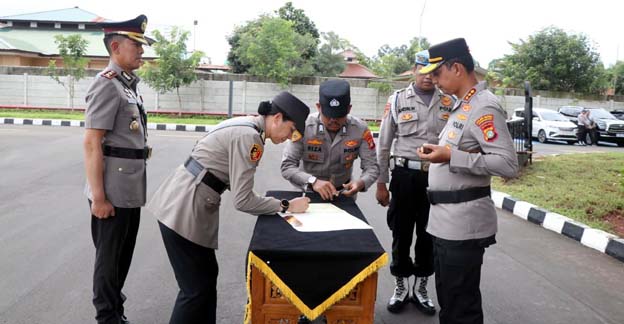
{"points": [[274, 50], [615, 75], [392, 61], [328, 61], [302, 26], [71, 49], [174, 67], [553, 60]]}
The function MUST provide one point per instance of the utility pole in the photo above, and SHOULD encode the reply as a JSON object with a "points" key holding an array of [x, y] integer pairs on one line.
{"points": [[194, 34], [422, 13]]}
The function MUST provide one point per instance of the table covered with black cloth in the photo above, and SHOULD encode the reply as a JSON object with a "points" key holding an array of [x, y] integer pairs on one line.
{"points": [[314, 270]]}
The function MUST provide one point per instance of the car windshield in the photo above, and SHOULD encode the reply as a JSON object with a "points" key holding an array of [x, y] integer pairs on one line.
{"points": [[553, 116], [600, 113]]}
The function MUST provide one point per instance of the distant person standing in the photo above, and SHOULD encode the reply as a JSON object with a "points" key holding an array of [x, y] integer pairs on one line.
{"points": [[115, 152], [591, 128], [474, 146], [582, 121]]}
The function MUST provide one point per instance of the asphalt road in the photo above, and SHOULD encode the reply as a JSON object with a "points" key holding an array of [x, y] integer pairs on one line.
{"points": [[531, 276]]}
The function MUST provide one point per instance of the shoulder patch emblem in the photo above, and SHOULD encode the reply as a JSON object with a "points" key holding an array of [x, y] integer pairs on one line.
{"points": [[486, 124], [255, 153], [109, 74], [368, 137]]}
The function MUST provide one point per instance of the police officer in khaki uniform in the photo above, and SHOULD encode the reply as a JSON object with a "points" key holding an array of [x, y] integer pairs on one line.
{"points": [[332, 141], [187, 202], [115, 154], [474, 146], [414, 116]]}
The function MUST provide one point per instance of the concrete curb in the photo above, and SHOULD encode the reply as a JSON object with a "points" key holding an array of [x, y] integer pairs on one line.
{"points": [[593, 238], [80, 123]]}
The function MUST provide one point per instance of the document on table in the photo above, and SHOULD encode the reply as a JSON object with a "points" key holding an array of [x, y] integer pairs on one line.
{"points": [[323, 217]]}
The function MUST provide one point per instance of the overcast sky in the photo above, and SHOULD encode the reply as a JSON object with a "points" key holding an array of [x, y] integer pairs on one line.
{"points": [[487, 25]]}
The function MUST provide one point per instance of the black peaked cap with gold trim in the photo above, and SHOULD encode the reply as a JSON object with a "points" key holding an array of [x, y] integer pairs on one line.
{"points": [[133, 29], [440, 53]]}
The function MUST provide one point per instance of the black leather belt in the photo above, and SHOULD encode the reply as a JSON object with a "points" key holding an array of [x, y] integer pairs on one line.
{"points": [[127, 153], [209, 179], [458, 196]]}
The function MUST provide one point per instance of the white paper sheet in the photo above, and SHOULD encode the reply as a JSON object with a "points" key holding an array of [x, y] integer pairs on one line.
{"points": [[323, 217]]}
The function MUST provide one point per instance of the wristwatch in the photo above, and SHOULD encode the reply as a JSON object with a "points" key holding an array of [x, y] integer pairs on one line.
{"points": [[311, 180], [284, 203]]}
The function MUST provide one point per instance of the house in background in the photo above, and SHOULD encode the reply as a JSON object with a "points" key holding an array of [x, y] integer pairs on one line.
{"points": [[353, 69], [28, 39]]}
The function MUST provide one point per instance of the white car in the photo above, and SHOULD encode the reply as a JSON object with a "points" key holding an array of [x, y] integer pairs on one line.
{"points": [[549, 125]]}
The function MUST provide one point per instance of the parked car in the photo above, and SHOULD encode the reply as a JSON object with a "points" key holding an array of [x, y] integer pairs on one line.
{"points": [[609, 128], [571, 112], [618, 113], [549, 125]]}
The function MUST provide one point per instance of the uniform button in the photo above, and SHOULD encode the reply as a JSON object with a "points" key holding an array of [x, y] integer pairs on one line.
{"points": [[120, 169]]}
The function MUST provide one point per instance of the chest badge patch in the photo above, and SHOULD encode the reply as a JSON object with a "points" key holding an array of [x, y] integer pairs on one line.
{"points": [[445, 116], [446, 101], [462, 117], [134, 124], [466, 107], [351, 143], [255, 153], [452, 135], [315, 141], [486, 124], [406, 116]]}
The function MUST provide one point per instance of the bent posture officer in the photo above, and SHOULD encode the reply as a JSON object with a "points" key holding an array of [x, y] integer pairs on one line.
{"points": [[115, 153], [414, 116], [474, 146], [332, 141], [187, 202]]}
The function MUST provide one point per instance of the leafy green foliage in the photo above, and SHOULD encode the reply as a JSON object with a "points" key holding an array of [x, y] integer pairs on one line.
{"points": [[382, 87], [553, 60], [393, 61], [174, 67], [328, 61], [275, 50], [615, 76], [302, 25], [71, 49]]}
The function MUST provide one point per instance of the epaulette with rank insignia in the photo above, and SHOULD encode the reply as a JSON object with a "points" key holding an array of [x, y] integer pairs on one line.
{"points": [[110, 74]]}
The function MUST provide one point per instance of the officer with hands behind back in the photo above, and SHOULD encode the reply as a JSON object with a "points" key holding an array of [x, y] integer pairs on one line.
{"points": [[187, 203], [414, 116], [474, 146], [115, 152], [332, 141]]}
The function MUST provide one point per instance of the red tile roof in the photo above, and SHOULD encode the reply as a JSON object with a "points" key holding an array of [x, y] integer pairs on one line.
{"points": [[356, 70]]}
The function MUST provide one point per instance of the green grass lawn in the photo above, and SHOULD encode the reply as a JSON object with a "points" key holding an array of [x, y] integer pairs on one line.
{"points": [[152, 118], [588, 188]]}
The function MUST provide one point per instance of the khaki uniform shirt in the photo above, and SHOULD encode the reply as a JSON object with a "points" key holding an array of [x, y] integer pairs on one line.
{"points": [[331, 160], [113, 101], [481, 147], [408, 119], [191, 208]]}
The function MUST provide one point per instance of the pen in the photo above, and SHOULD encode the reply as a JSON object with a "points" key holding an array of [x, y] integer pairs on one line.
{"points": [[305, 188]]}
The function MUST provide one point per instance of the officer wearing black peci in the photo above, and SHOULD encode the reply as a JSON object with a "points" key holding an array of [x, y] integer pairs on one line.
{"points": [[115, 150]]}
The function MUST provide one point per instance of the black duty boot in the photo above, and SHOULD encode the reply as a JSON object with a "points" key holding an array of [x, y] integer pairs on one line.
{"points": [[420, 297], [400, 296]]}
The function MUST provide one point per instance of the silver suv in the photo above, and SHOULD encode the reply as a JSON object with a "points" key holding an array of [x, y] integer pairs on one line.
{"points": [[609, 128]]}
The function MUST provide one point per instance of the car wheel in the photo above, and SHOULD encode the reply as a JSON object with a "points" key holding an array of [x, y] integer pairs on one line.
{"points": [[541, 136], [571, 142]]}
